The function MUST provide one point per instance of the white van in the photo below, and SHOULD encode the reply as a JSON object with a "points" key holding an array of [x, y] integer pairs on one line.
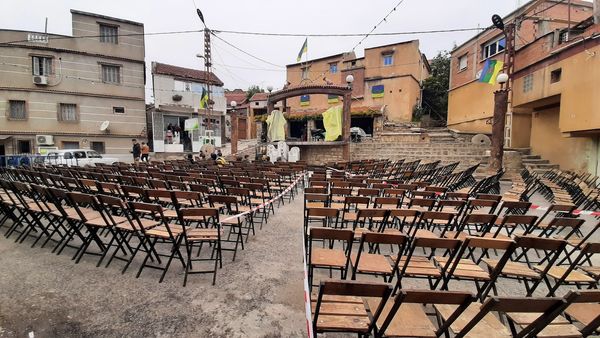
{"points": [[78, 157]]}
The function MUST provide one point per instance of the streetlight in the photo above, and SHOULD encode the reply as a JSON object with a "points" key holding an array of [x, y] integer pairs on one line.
{"points": [[269, 89], [349, 80], [234, 128], [501, 97]]}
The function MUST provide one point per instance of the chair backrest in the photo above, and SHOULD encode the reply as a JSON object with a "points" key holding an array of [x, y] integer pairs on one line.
{"points": [[356, 289], [549, 309], [334, 234], [584, 297], [422, 202], [461, 299]]}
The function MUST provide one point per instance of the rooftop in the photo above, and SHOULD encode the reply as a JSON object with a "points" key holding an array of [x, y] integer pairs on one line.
{"points": [[185, 73], [259, 97], [105, 17]]}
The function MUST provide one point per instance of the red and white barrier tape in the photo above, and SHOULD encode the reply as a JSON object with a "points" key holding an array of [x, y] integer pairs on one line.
{"points": [[575, 212], [307, 305], [262, 205]]}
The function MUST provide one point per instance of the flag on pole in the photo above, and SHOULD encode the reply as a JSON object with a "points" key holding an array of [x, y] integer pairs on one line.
{"points": [[303, 50], [204, 99], [490, 71]]}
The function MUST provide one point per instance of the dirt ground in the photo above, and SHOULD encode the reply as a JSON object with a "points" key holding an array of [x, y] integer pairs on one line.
{"points": [[258, 295]]}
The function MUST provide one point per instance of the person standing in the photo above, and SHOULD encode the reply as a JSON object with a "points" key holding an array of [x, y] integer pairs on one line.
{"points": [[136, 150], [145, 152]]}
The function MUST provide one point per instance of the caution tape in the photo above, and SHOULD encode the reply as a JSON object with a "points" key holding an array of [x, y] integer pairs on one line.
{"points": [[264, 204], [575, 212], [307, 307]]}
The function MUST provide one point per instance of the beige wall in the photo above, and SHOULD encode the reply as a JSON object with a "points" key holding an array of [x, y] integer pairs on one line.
{"points": [[520, 130], [400, 80], [164, 91], [470, 106], [76, 78], [571, 153]]}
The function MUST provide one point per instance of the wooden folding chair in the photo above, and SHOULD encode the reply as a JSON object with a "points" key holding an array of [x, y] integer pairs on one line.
{"points": [[525, 272], [340, 307], [407, 317], [477, 320], [570, 275], [369, 260], [228, 206], [329, 257], [584, 308], [465, 265], [201, 225], [472, 225]]}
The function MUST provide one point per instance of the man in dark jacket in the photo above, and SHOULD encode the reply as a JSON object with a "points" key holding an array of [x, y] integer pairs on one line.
{"points": [[137, 151]]}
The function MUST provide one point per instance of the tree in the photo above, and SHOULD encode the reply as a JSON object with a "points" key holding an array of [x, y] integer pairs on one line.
{"points": [[435, 89], [253, 90]]}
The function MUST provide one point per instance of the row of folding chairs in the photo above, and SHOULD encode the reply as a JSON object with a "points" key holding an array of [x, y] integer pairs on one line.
{"points": [[371, 309]]}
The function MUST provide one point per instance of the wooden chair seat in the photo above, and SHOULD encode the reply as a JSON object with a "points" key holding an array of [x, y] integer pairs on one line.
{"points": [[170, 213], [453, 235], [410, 320], [342, 313], [89, 214], [513, 269], [574, 276], [315, 204], [558, 328], [593, 271], [466, 268], [232, 221], [196, 235], [337, 205], [419, 267], [162, 232], [349, 216], [144, 222], [328, 257], [584, 313], [423, 233], [372, 263], [359, 231], [100, 222], [489, 326], [256, 201]]}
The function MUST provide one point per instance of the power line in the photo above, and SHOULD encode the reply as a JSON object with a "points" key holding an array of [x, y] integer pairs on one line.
{"points": [[243, 51], [375, 27], [543, 10], [328, 35], [120, 35]]}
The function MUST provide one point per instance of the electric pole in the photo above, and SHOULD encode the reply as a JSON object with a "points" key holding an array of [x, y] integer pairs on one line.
{"points": [[207, 68]]}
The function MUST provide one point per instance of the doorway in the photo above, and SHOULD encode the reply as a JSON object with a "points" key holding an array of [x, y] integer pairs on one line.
{"points": [[24, 146]]}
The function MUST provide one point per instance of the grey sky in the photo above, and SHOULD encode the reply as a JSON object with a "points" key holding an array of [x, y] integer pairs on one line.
{"points": [[305, 16]]}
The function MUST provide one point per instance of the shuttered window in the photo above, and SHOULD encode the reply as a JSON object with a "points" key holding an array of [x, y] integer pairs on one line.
{"points": [[17, 110], [109, 34], [41, 65], [67, 112], [111, 74]]}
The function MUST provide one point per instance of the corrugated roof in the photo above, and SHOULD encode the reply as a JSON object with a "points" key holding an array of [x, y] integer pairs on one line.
{"points": [[186, 73]]}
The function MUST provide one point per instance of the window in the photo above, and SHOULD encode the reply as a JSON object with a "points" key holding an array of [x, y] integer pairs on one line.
{"points": [[98, 148], [17, 110], [527, 83], [333, 68], [24, 146], [111, 74], [41, 65], [70, 145], [304, 73], [462, 62], [555, 75], [492, 48], [118, 110], [388, 59], [67, 112], [109, 34]]}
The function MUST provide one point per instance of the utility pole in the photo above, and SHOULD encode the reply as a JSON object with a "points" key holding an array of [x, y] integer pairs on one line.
{"points": [[207, 71], [501, 95]]}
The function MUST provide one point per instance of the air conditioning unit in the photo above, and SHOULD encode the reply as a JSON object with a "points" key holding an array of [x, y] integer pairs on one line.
{"points": [[44, 140], [40, 80]]}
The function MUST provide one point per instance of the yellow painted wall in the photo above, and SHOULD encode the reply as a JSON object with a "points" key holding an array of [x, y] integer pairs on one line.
{"points": [[520, 130], [579, 89], [571, 153], [470, 106]]}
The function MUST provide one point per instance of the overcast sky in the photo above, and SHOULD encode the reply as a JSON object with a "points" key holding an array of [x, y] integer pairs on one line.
{"points": [[238, 70]]}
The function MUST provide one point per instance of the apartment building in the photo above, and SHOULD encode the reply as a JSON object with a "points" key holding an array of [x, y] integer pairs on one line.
{"points": [[177, 96], [387, 83], [85, 90]]}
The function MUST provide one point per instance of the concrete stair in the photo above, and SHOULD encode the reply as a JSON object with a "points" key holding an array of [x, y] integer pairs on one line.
{"points": [[537, 164]]}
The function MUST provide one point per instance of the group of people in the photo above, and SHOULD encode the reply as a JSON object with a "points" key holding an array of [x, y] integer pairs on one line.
{"points": [[140, 151]]}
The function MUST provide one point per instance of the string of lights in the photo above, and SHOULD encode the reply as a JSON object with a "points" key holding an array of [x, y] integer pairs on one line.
{"points": [[379, 23]]}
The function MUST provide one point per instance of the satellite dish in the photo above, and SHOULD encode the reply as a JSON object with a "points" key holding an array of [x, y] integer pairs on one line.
{"points": [[104, 126]]}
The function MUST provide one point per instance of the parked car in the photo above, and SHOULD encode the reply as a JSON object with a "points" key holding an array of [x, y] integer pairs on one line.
{"points": [[78, 157]]}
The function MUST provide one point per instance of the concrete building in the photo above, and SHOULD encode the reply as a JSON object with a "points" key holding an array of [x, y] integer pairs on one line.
{"points": [[556, 96], [387, 81], [177, 94], [471, 103], [57, 91]]}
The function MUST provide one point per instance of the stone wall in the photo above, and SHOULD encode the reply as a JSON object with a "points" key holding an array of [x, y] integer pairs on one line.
{"points": [[322, 154]]}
